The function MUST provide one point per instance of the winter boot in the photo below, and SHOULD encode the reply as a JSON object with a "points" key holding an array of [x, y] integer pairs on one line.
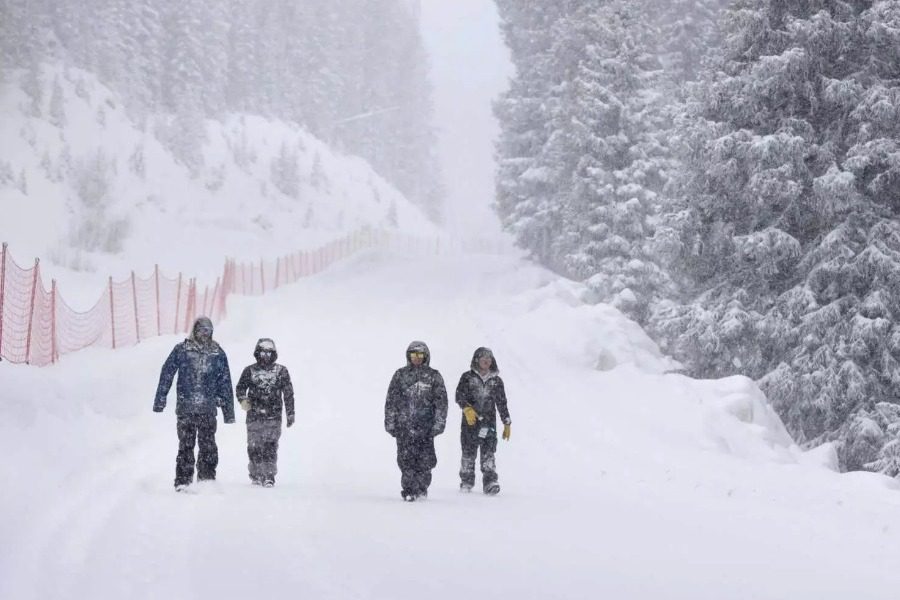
{"points": [[465, 487], [492, 489]]}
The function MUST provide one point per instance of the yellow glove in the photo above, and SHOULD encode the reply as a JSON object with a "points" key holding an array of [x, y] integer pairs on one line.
{"points": [[471, 415], [506, 431], [245, 404]]}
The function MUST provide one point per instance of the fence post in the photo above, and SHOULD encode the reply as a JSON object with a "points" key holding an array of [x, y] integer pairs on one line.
{"points": [[54, 352], [158, 317], [2, 291], [191, 305], [137, 322], [37, 262], [112, 313], [262, 275], [177, 304], [215, 298]]}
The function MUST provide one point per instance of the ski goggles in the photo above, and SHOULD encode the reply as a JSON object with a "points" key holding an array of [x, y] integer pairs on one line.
{"points": [[417, 355]]}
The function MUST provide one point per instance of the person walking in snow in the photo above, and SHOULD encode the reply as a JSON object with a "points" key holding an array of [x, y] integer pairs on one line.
{"points": [[204, 386], [415, 411], [480, 394], [262, 389]]}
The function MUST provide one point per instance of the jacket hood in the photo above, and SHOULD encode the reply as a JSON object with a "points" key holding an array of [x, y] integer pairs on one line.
{"points": [[265, 344], [198, 323], [484, 352], [418, 347]]}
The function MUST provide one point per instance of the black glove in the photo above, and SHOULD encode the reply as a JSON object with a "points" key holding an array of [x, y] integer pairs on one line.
{"points": [[157, 408], [229, 421], [290, 420]]}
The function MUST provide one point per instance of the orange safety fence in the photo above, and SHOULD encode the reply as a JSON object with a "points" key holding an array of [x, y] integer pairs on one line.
{"points": [[37, 326]]}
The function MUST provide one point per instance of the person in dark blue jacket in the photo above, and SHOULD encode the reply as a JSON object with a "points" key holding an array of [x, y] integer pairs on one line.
{"points": [[204, 386], [415, 411]]}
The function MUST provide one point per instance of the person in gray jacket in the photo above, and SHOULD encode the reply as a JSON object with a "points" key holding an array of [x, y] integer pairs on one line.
{"points": [[480, 394], [262, 390], [415, 411], [204, 386]]}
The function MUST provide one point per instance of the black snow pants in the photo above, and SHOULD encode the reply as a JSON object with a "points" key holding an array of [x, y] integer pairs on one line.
{"points": [[199, 429], [416, 458], [471, 442], [262, 448]]}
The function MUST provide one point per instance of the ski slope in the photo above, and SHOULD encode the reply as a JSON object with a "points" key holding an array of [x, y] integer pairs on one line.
{"points": [[619, 482]]}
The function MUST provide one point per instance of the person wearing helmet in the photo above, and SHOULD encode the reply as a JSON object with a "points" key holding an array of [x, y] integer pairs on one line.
{"points": [[204, 386], [415, 411], [480, 395], [262, 390]]}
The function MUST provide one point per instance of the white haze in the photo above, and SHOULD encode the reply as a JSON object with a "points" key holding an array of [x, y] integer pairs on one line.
{"points": [[470, 67]]}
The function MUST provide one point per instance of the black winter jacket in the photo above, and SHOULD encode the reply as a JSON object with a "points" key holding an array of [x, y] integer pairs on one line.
{"points": [[485, 394], [416, 403], [267, 387]]}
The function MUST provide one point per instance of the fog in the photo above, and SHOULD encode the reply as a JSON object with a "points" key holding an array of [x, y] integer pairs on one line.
{"points": [[470, 67]]}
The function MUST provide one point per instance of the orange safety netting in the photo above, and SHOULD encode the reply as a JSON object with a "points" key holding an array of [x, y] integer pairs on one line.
{"points": [[37, 326]]}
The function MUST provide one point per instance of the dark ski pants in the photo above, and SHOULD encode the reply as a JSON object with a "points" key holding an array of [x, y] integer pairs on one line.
{"points": [[416, 458], [471, 443], [262, 448], [199, 429]]}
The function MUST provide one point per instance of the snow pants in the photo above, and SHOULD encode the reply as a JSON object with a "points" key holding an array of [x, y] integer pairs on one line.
{"points": [[199, 429], [471, 443], [416, 458], [262, 448]]}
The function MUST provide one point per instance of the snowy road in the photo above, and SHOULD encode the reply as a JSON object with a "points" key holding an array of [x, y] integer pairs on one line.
{"points": [[622, 483]]}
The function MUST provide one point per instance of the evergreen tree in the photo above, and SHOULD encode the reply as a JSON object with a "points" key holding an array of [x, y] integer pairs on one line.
{"points": [[793, 245]]}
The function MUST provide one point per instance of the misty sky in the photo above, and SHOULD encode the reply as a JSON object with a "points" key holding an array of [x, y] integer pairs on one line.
{"points": [[470, 67]]}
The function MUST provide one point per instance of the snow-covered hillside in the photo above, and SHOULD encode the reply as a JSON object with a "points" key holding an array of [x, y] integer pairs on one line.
{"points": [[620, 481], [86, 185]]}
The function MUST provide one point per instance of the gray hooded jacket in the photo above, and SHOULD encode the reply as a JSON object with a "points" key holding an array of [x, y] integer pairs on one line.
{"points": [[416, 403]]}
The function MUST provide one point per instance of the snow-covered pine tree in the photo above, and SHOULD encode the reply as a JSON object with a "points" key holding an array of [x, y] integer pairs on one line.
{"points": [[793, 246], [524, 184], [584, 154], [285, 171]]}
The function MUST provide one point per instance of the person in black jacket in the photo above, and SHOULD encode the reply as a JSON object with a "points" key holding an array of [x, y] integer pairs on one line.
{"points": [[480, 395], [415, 411], [204, 385], [262, 389]]}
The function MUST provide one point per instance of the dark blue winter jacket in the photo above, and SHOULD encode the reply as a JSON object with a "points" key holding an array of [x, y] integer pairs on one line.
{"points": [[204, 380]]}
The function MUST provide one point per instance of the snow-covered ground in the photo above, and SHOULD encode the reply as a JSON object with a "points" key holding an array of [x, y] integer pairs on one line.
{"points": [[620, 481]]}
